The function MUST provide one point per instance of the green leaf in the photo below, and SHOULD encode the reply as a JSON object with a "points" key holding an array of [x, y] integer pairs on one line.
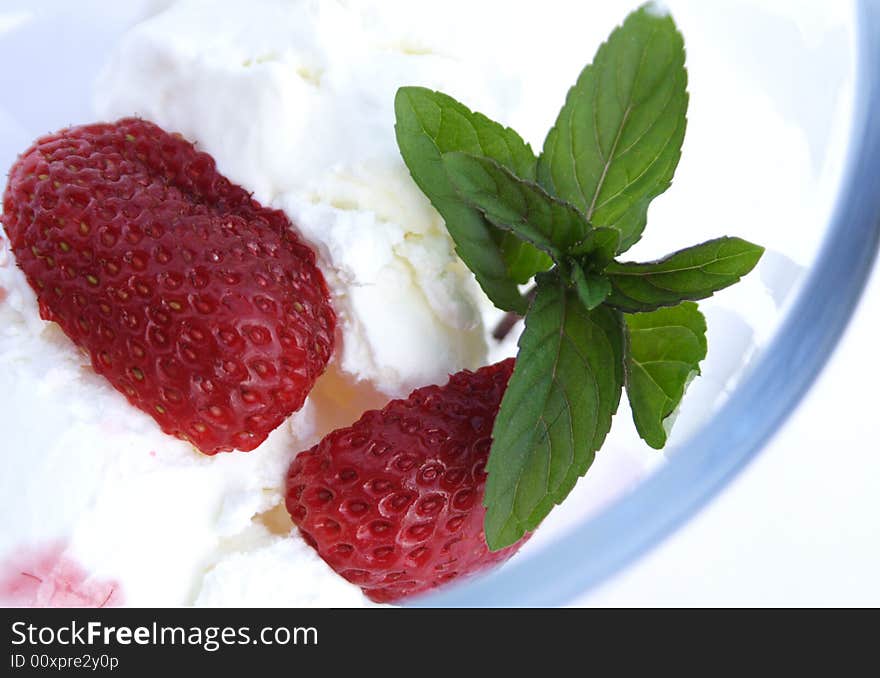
{"points": [[430, 124], [591, 289], [556, 411], [664, 350], [617, 140], [693, 273], [516, 205], [598, 248]]}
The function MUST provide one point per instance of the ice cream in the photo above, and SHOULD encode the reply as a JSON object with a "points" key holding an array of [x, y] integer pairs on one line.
{"points": [[294, 101]]}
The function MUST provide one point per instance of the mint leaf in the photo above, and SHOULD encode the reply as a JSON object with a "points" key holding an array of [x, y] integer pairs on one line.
{"points": [[693, 273], [430, 124], [516, 205], [614, 148], [617, 140], [664, 350], [591, 289], [598, 247], [556, 411]]}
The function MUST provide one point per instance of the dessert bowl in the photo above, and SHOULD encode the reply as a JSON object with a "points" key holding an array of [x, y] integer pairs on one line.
{"points": [[780, 149]]}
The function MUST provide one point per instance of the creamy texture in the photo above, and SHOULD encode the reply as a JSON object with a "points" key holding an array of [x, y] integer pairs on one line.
{"points": [[294, 99], [295, 102], [285, 97], [130, 503]]}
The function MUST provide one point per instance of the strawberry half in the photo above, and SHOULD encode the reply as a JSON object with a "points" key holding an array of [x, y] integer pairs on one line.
{"points": [[393, 503], [192, 299]]}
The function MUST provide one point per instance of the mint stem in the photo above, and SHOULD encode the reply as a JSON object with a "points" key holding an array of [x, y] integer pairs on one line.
{"points": [[511, 318]]}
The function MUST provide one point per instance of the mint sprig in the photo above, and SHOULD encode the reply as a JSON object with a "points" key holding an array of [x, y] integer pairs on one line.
{"points": [[693, 273], [600, 243], [516, 205], [593, 324], [664, 351], [592, 289], [430, 124], [617, 140], [557, 408]]}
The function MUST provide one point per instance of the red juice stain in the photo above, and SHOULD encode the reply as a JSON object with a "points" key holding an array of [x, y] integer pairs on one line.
{"points": [[47, 577]]}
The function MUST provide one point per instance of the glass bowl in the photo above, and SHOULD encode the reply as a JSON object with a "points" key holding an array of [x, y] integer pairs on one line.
{"points": [[845, 232], [783, 148]]}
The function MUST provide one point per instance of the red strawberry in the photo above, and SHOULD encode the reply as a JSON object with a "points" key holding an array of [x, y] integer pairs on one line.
{"points": [[393, 503], [196, 302]]}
